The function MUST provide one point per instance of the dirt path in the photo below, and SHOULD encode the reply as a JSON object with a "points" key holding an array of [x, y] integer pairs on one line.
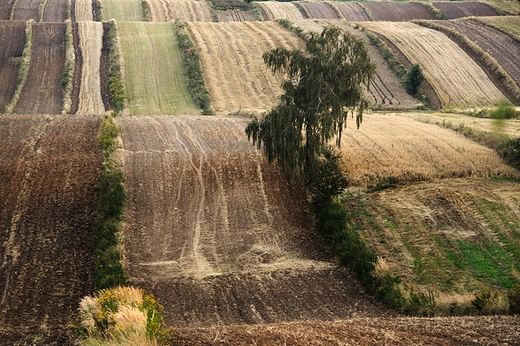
{"points": [[47, 202], [12, 41], [42, 92]]}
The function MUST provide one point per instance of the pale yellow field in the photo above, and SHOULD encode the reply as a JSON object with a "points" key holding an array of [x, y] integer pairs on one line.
{"points": [[280, 10], [185, 10], [232, 66], [456, 78], [83, 10]]}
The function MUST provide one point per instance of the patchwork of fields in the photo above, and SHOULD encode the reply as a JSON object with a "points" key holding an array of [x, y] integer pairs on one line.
{"points": [[221, 237]]}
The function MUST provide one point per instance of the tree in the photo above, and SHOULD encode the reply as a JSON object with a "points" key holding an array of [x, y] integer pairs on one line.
{"points": [[414, 80], [322, 86]]}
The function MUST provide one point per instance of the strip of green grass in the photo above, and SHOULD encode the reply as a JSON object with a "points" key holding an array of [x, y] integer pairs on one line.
{"points": [[154, 76], [123, 10]]}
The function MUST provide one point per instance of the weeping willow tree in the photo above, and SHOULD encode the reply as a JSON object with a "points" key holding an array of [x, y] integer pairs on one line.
{"points": [[322, 87]]}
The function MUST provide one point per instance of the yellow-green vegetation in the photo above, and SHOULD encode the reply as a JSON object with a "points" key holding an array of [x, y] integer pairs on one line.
{"points": [[509, 24], [123, 10], [116, 88], [154, 76], [41, 8], [120, 316], [24, 67], [68, 73], [510, 7]]}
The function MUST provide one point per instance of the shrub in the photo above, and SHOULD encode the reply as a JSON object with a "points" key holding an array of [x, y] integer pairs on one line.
{"points": [[116, 87], [414, 79], [514, 300]]}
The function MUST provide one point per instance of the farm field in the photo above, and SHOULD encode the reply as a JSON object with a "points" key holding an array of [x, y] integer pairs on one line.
{"points": [[457, 80], [454, 10], [351, 11], [236, 16], [153, 69], [26, 9], [232, 65], [398, 12], [5, 9], [320, 10], [279, 10], [185, 10], [12, 41], [83, 10], [510, 24], [49, 170], [55, 11], [42, 92], [123, 10]]}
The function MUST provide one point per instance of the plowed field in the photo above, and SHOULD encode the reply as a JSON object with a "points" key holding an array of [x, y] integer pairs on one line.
{"points": [[42, 92], [279, 10], [352, 12], [503, 48], [123, 10], [509, 24], [49, 170], [232, 65], [320, 10], [12, 41], [5, 9], [185, 10], [55, 11], [154, 77], [457, 79], [398, 12], [217, 234], [454, 9], [26, 9], [90, 37]]}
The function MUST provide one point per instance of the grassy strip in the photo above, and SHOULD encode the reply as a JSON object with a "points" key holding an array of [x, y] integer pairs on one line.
{"points": [[13, 7], [194, 79], [68, 13], [367, 11], [41, 9], [24, 67], [487, 60], [436, 12], [99, 10], [108, 270], [499, 28], [116, 86], [146, 10], [393, 61], [68, 73]]}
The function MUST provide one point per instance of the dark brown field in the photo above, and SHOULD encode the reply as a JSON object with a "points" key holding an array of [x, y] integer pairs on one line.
{"points": [[352, 12], [26, 9], [55, 11], [5, 9], [12, 41], [455, 9], [398, 11], [320, 10]]}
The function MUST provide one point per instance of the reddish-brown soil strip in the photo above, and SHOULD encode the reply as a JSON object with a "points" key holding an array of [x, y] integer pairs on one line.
{"points": [[454, 9], [320, 10], [397, 11], [49, 173], [55, 11], [12, 41], [5, 9], [42, 92], [352, 12], [26, 9]]}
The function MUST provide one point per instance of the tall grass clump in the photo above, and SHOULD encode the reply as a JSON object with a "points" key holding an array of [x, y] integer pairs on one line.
{"points": [[108, 269], [193, 72], [116, 87], [70, 65], [98, 10], [24, 67]]}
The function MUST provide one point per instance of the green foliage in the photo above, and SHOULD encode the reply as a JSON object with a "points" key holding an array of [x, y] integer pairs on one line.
{"points": [[193, 72], [327, 181], [323, 86], [414, 79], [484, 300], [98, 10], [146, 10], [514, 299], [505, 110], [116, 86], [393, 62]]}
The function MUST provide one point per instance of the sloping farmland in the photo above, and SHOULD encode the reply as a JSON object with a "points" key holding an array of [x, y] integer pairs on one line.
{"points": [[217, 234], [55, 11], [398, 11], [457, 80], [42, 92], [123, 10], [352, 11], [385, 91], [455, 9], [319, 10], [232, 65], [154, 76], [279, 10], [83, 10], [26, 9], [392, 148], [90, 38], [5, 9], [185, 10], [509, 24], [12, 41], [49, 171]]}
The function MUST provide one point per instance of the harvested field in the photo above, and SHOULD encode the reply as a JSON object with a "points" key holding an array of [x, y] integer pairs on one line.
{"points": [[231, 4], [123, 10], [279, 10], [218, 235], [26, 9], [12, 41], [351, 11], [503, 48], [319, 10], [232, 66], [236, 16], [399, 149], [49, 170], [487, 330], [154, 76], [509, 24], [83, 10], [5, 9], [458, 81], [42, 92], [185, 10], [90, 38], [455, 9], [398, 11], [386, 91], [55, 11]]}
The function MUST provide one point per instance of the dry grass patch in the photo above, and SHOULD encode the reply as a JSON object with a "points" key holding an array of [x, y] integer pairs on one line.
{"points": [[83, 10], [456, 78], [123, 10]]}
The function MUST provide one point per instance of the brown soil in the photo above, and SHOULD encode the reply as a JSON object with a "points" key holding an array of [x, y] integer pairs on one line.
{"points": [[42, 92], [5, 9], [398, 12], [26, 9], [352, 12], [55, 11], [49, 173], [320, 10], [452, 9], [12, 41]]}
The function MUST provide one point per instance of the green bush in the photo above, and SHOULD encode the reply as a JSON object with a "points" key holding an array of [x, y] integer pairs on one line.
{"points": [[116, 88], [514, 300], [414, 79]]}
